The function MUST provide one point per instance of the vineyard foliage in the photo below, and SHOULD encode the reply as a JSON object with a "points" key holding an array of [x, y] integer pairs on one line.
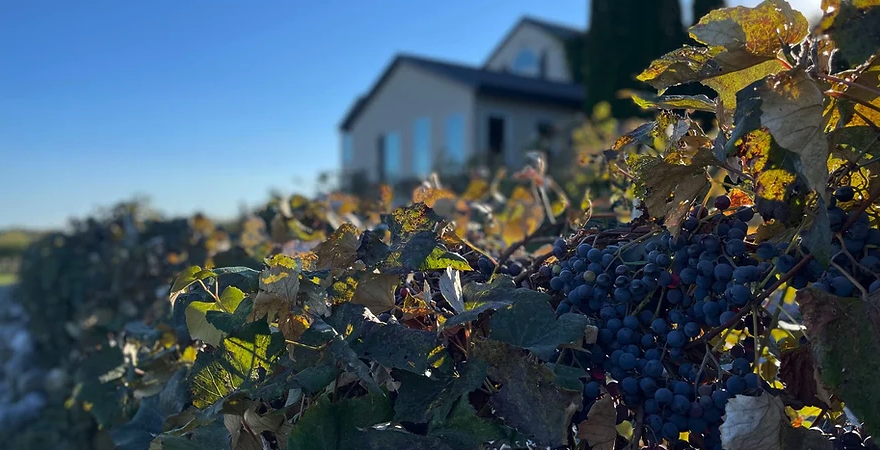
{"points": [[736, 309]]}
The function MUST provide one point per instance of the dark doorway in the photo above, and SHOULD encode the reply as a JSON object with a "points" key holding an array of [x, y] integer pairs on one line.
{"points": [[380, 152], [496, 135]]}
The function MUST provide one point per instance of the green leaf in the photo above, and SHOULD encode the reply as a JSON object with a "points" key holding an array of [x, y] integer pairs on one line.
{"points": [[186, 278], [196, 315], [423, 399], [758, 31], [281, 277], [340, 250], [529, 400], [845, 340], [228, 323], [479, 298], [329, 426], [243, 359], [463, 430], [98, 377], [853, 26], [405, 222], [316, 378], [151, 415], [695, 102], [343, 353], [394, 439], [211, 436], [532, 325], [728, 85], [568, 377], [817, 238], [792, 112], [376, 291], [413, 350], [244, 278]]}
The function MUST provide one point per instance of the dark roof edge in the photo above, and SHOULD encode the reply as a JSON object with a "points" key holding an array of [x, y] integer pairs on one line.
{"points": [[525, 20], [363, 99]]}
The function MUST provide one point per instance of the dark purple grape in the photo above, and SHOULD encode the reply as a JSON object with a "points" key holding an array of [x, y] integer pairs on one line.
{"points": [[583, 250], [592, 390], [663, 396], [722, 202], [844, 193], [735, 384]]}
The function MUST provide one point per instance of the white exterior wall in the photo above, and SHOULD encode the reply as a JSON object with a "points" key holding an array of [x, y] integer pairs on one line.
{"points": [[520, 124], [531, 36], [408, 94]]}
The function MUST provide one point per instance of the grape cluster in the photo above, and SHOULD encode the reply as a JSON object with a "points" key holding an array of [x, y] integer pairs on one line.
{"points": [[651, 299], [849, 438]]}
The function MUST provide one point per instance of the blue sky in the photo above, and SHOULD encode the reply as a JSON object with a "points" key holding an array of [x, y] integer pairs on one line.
{"points": [[204, 104]]}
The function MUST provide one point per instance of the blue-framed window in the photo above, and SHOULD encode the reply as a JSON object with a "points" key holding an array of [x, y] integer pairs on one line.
{"points": [[422, 159], [526, 62], [392, 156], [347, 149], [455, 148]]}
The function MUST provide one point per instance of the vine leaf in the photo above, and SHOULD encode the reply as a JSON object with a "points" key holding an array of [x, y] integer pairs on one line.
{"points": [[334, 426], [196, 315], [186, 278], [423, 399], [281, 277], [241, 361], [799, 375], [845, 341], [760, 423], [213, 435], [818, 237], [376, 291], [528, 400], [464, 430], [450, 287], [340, 249], [151, 415], [694, 102], [791, 110], [481, 297], [532, 324], [753, 423], [600, 430], [522, 215], [758, 31], [228, 323], [853, 26]]}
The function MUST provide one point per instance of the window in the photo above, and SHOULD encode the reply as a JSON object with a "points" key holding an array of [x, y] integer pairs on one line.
{"points": [[526, 62], [389, 145], [496, 135], [422, 147], [347, 149], [455, 138]]}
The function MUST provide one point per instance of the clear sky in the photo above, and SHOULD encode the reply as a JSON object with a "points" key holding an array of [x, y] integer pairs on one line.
{"points": [[205, 104]]}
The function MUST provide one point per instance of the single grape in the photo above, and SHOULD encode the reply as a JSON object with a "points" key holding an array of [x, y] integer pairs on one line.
{"points": [[691, 223], [631, 322], [663, 396], [711, 309], [630, 385], [752, 380], [607, 259], [653, 368], [589, 277], [726, 316], [842, 286], [720, 398], [653, 354], [614, 325], [844, 193], [583, 250], [592, 390], [624, 335], [736, 233], [740, 295], [621, 281], [735, 247], [594, 255], [676, 339], [874, 287], [663, 260], [741, 366], [722, 202], [706, 269], [785, 263], [745, 214], [692, 329], [655, 423], [563, 307], [658, 326], [688, 276], [556, 283], [735, 384], [622, 295], [648, 341], [651, 406], [627, 361], [485, 265], [670, 431]]}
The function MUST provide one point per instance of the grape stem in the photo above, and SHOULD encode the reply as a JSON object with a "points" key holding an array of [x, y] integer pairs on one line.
{"points": [[637, 429]]}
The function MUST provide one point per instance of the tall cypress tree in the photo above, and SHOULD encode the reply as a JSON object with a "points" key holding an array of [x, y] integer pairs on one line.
{"points": [[624, 37], [702, 7]]}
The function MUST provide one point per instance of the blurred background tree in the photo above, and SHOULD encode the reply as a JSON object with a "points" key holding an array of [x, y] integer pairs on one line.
{"points": [[624, 37]]}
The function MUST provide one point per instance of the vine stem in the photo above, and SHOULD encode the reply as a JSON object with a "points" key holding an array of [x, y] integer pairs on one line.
{"points": [[848, 83]]}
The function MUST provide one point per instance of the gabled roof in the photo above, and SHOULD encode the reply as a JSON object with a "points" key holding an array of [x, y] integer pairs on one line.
{"points": [[559, 31], [482, 81]]}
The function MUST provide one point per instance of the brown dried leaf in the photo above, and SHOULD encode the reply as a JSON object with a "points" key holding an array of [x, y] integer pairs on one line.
{"points": [[600, 428], [797, 372]]}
